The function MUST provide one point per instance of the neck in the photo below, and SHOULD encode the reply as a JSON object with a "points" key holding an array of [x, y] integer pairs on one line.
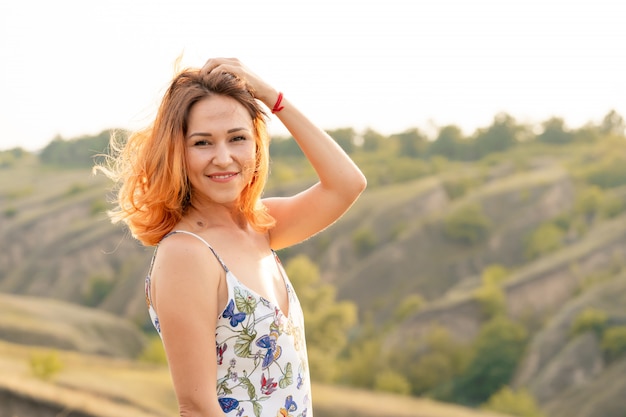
{"points": [[214, 215]]}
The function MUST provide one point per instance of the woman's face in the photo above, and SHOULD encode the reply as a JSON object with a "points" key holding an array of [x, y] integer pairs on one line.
{"points": [[220, 150]]}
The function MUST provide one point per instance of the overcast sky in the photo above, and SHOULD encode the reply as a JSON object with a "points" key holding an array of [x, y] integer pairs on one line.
{"points": [[77, 67]]}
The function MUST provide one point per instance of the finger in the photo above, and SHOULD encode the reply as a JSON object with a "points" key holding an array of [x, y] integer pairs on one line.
{"points": [[214, 63]]}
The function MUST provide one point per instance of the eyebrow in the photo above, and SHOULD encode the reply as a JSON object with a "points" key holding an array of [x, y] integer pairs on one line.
{"points": [[203, 134]]}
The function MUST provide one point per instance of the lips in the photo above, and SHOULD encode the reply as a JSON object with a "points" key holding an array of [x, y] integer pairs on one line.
{"points": [[222, 176]]}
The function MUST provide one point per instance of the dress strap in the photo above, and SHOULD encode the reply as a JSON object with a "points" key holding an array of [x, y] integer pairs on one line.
{"points": [[203, 241]]}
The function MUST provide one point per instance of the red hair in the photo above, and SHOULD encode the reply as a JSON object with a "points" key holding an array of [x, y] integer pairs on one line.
{"points": [[149, 167]]}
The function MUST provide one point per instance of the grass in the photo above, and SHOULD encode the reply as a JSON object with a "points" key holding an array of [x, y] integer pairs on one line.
{"points": [[101, 386], [109, 387], [346, 402], [54, 323]]}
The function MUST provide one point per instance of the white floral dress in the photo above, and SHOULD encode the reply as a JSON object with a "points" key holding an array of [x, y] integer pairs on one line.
{"points": [[262, 367]]}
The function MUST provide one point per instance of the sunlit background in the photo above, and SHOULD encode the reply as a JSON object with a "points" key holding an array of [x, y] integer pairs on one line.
{"points": [[482, 273], [77, 67]]}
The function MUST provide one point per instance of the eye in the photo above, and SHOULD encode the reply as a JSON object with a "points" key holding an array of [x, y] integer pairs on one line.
{"points": [[201, 142], [238, 138]]}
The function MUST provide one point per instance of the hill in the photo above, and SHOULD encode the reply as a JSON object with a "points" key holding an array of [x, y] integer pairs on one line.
{"points": [[95, 386], [60, 244], [51, 323], [416, 255]]}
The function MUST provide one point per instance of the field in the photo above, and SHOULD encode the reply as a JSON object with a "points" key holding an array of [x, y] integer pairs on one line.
{"points": [[108, 387]]}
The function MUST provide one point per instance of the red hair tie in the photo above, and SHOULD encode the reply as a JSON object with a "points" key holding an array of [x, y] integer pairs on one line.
{"points": [[277, 107]]}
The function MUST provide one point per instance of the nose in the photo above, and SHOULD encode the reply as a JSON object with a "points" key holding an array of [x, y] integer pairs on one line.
{"points": [[222, 156]]}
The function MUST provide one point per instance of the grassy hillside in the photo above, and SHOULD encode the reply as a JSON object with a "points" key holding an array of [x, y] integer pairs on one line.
{"points": [[107, 387], [60, 244], [413, 255], [51, 323]]}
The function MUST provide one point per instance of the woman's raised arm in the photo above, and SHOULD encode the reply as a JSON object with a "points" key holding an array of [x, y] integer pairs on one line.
{"points": [[340, 181]]}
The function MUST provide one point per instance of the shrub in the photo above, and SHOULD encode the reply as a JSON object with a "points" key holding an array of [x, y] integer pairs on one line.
{"points": [[99, 288], [547, 238], [492, 299], [76, 189], [7, 160], [607, 174], [10, 212], [98, 206], [431, 370], [590, 319], [490, 295], [79, 152], [327, 320], [154, 352], [390, 381], [363, 362], [459, 186], [593, 202], [364, 241], [614, 342], [494, 274], [410, 305], [495, 356], [405, 169], [45, 365], [514, 403], [467, 224]]}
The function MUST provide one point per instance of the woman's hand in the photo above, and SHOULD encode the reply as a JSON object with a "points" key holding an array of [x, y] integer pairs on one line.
{"points": [[259, 88], [340, 181]]}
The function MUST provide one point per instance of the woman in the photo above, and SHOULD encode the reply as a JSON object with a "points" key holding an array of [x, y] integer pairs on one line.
{"points": [[191, 184]]}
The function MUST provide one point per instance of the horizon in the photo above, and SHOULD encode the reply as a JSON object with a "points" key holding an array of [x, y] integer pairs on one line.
{"points": [[430, 133], [75, 69]]}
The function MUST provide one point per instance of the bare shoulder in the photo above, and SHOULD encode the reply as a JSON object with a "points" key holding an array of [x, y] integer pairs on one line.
{"points": [[184, 268], [180, 246]]}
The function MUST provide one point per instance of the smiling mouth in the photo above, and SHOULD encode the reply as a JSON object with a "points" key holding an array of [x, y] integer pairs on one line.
{"points": [[222, 176]]}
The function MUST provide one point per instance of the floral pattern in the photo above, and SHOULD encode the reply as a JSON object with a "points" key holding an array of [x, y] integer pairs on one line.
{"points": [[261, 353]]}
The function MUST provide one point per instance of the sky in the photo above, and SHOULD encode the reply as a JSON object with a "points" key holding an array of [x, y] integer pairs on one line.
{"points": [[73, 68]]}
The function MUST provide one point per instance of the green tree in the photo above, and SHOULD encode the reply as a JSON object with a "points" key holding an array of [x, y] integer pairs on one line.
{"points": [[514, 403], [9, 157], [391, 381], [592, 202], [285, 147], [608, 173], [410, 305], [545, 239], [363, 362], [614, 342], [491, 298], [78, 152], [459, 186], [590, 319], [327, 321], [495, 355], [411, 143], [99, 288], [372, 140], [613, 124], [432, 370], [554, 132], [467, 224], [490, 294], [451, 144], [364, 241], [494, 274], [500, 136], [431, 363]]}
